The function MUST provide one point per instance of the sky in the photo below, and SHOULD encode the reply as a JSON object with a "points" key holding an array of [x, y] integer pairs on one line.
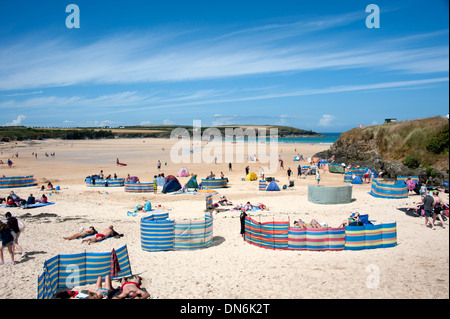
{"points": [[325, 66]]}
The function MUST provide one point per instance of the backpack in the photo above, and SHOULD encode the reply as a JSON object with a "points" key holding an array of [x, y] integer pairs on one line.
{"points": [[21, 225]]}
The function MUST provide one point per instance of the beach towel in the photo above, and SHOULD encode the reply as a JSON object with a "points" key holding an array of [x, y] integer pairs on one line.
{"points": [[37, 205], [115, 267], [28, 206]]}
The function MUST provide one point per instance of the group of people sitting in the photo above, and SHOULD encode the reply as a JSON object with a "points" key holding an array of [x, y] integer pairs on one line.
{"points": [[312, 224], [49, 187], [213, 176], [15, 201], [352, 220], [91, 231]]}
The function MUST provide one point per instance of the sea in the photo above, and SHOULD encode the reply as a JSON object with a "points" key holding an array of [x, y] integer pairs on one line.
{"points": [[328, 138]]}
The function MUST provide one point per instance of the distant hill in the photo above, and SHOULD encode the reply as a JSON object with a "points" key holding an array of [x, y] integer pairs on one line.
{"points": [[416, 147], [17, 133]]}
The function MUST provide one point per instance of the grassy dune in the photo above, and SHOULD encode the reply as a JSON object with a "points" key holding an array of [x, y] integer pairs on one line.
{"points": [[421, 142]]}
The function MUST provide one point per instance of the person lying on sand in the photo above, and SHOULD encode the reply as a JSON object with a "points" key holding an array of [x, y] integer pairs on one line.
{"points": [[131, 288], [108, 232], [82, 233], [101, 292], [315, 224], [300, 224], [224, 201], [354, 218]]}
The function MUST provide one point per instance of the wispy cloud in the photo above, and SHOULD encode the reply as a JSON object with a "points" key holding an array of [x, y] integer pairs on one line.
{"points": [[24, 93], [134, 101], [147, 57]]}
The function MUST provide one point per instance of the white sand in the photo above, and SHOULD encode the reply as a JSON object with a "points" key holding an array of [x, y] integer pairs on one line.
{"points": [[418, 267]]}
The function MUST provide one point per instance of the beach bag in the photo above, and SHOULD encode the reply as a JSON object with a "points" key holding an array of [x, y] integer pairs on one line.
{"points": [[21, 225], [148, 206]]}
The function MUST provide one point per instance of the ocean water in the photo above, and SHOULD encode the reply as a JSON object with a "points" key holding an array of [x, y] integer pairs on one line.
{"points": [[328, 138]]}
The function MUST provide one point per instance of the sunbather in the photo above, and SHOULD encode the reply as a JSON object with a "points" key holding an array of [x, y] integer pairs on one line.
{"points": [[108, 232], [101, 292], [354, 218], [131, 288], [300, 224], [82, 233], [224, 201], [315, 224]]}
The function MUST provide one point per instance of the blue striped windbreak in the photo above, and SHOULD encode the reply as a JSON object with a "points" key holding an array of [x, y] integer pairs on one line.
{"points": [[67, 271]]}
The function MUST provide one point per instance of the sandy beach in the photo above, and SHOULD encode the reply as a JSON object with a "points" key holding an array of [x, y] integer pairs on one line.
{"points": [[418, 267]]}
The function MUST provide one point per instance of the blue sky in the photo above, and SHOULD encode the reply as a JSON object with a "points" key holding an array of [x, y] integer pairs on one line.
{"points": [[308, 64]]}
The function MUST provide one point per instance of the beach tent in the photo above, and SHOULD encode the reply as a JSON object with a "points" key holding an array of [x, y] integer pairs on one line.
{"points": [[171, 185], [272, 187], [183, 172], [357, 180], [251, 177], [192, 183], [296, 159]]}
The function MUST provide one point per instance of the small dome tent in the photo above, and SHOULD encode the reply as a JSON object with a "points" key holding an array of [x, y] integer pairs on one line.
{"points": [[183, 172], [272, 187], [171, 185], [192, 183]]}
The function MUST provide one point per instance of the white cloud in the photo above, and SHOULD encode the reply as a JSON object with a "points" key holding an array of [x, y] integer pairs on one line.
{"points": [[25, 93], [151, 57], [326, 120], [168, 122], [102, 123], [17, 121], [283, 119], [145, 123]]}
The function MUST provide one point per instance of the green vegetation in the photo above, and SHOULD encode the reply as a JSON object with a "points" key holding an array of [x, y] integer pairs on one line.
{"points": [[438, 143], [412, 162], [416, 143], [19, 133]]}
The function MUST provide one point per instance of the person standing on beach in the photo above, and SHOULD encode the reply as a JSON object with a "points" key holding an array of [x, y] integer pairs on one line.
{"points": [[299, 171], [247, 170], [159, 165], [242, 217], [155, 185], [7, 242], [229, 166], [317, 176], [289, 172], [13, 224], [428, 202], [437, 205]]}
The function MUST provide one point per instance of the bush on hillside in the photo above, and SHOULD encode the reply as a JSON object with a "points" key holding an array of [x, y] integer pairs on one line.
{"points": [[439, 142]]}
